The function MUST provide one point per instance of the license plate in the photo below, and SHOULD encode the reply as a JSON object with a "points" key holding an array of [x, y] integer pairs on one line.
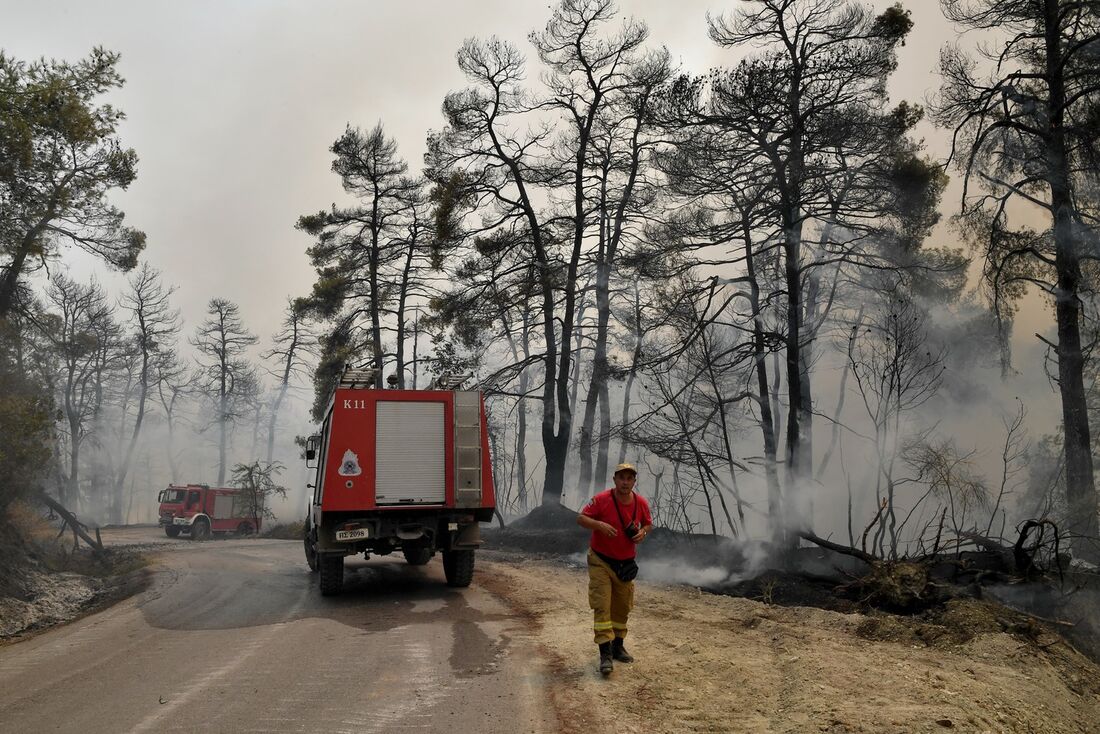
{"points": [[179, 520], [359, 534]]}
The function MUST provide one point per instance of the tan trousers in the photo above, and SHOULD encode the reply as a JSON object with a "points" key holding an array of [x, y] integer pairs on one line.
{"points": [[611, 600]]}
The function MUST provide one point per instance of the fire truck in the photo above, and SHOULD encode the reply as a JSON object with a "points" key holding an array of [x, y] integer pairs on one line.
{"points": [[200, 511], [399, 470]]}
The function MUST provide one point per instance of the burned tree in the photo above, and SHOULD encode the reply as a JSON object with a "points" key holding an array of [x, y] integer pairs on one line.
{"points": [[499, 163], [291, 347], [1026, 132], [812, 100], [625, 139], [488, 307], [787, 155], [895, 371], [365, 253], [225, 375], [156, 327]]}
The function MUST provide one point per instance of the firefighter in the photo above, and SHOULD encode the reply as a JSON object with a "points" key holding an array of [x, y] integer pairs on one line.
{"points": [[619, 519]]}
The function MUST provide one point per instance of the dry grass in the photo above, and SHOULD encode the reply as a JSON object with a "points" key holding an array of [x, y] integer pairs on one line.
{"points": [[45, 581], [285, 531]]}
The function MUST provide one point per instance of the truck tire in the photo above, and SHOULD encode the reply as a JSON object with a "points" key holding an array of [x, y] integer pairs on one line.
{"points": [[310, 544], [200, 530], [172, 531], [332, 573], [458, 567], [417, 555]]}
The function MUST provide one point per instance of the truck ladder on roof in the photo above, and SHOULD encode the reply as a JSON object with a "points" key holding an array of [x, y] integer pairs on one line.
{"points": [[447, 381], [357, 377]]}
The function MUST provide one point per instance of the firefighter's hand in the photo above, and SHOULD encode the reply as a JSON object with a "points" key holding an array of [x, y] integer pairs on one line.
{"points": [[641, 534], [607, 529]]}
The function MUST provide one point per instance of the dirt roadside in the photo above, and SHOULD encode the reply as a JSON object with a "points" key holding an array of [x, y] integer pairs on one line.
{"points": [[708, 663]]}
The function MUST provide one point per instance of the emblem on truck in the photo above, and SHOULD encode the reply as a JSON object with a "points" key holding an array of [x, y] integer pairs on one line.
{"points": [[349, 465]]}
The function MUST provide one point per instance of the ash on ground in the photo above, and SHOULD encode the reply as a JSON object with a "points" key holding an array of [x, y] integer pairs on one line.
{"points": [[44, 581], [820, 578]]}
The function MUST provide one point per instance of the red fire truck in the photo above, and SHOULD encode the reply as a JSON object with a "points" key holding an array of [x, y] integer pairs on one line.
{"points": [[200, 510], [404, 470]]}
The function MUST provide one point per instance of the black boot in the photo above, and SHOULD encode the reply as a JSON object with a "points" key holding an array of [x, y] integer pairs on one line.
{"points": [[606, 666], [619, 652]]}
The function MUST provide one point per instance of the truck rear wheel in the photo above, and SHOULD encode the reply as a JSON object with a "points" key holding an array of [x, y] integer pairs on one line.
{"points": [[172, 531], [332, 573], [458, 567], [200, 530], [417, 555]]}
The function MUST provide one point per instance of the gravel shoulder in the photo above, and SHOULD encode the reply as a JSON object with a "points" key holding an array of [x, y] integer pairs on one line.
{"points": [[709, 663]]}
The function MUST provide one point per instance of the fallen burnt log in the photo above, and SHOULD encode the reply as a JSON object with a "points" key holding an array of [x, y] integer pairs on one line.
{"points": [[903, 586], [912, 584], [80, 530]]}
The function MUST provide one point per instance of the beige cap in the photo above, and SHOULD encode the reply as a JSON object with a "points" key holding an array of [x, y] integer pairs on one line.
{"points": [[626, 467]]}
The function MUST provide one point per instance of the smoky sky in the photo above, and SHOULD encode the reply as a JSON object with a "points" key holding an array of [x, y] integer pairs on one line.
{"points": [[231, 107]]}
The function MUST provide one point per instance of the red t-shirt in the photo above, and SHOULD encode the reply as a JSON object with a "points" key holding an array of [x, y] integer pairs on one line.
{"points": [[602, 508]]}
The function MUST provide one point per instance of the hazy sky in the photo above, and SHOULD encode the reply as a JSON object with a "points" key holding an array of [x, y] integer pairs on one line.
{"points": [[231, 107]]}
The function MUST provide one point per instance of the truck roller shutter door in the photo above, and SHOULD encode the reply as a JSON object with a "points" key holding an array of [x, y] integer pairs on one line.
{"points": [[223, 506], [410, 453]]}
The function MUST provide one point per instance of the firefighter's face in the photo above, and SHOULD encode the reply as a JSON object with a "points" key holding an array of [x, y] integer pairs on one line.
{"points": [[624, 481]]}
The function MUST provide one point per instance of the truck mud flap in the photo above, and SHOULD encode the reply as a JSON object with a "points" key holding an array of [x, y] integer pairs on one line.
{"points": [[468, 536]]}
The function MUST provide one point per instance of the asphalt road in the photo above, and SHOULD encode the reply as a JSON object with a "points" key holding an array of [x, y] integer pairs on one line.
{"points": [[234, 636]]}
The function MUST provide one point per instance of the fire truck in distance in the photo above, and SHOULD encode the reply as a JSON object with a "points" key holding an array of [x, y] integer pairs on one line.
{"points": [[399, 470], [200, 510]]}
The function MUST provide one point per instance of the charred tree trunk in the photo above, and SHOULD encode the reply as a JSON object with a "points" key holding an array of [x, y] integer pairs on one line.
{"points": [[807, 329], [522, 497], [223, 432], [273, 422], [795, 448], [599, 373], [767, 424], [635, 358], [143, 393], [1080, 482], [401, 306], [521, 426], [376, 307]]}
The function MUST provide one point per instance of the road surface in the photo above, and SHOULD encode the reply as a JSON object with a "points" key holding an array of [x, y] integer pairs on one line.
{"points": [[233, 636]]}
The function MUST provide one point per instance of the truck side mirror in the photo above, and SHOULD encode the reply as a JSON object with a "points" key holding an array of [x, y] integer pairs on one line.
{"points": [[311, 451]]}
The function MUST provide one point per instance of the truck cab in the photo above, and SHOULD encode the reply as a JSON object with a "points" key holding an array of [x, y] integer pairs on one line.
{"points": [[399, 470]]}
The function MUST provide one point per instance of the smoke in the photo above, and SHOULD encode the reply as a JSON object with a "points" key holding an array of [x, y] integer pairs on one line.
{"points": [[1076, 610], [189, 455], [670, 571], [673, 572]]}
